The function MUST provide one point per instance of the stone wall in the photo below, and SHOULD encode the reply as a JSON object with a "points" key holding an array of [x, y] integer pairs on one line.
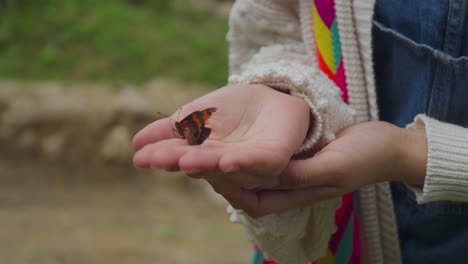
{"points": [[82, 122]]}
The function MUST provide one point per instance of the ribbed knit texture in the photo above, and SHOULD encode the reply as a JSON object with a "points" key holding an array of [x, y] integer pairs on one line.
{"points": [[355, 78], [447, 164]]}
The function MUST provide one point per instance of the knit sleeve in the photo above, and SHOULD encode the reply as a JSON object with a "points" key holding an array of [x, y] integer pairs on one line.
{"points": [[447, 161], [266, 47]]}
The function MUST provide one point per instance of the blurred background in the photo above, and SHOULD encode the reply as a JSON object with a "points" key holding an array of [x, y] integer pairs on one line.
{"points": [[78, 78]]}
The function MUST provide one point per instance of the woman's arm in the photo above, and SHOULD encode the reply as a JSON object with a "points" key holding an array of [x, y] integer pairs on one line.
{"points": [[446, 173]]}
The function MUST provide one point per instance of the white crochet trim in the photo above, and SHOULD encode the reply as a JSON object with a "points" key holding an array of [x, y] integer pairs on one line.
{"points": [[329, 113], [296, 236]]}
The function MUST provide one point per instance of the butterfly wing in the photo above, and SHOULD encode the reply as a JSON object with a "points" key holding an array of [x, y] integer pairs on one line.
{"points": [[205, 132], [192, 127], [186, 128], [205, 114]]}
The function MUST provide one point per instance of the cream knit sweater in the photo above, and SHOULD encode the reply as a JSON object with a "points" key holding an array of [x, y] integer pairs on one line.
{"points": [[271, 42]]}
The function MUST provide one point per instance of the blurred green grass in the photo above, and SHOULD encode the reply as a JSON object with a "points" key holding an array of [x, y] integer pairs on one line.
{"points": [[114, 40]]}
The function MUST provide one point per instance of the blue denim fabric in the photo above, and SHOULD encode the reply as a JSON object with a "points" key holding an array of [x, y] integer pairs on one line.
{"points": [[421, 66]]}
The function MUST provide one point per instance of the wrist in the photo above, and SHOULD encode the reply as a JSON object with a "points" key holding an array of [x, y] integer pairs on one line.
{"points": [[413, 155], [296, 110]]}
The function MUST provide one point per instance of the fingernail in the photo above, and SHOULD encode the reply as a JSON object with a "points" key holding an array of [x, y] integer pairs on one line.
{"points": [[139, 161], [135, 143], [232, 168]]}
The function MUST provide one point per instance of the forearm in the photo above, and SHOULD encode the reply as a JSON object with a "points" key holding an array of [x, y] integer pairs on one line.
{"points": [[446, 170], [412, 145]]}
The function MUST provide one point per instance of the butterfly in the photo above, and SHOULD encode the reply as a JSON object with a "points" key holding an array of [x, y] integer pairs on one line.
{"points": [[193, 128]]}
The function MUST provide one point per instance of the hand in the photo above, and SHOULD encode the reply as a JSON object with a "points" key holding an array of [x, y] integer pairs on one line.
{"points": [[362, 154], [255, 131]]}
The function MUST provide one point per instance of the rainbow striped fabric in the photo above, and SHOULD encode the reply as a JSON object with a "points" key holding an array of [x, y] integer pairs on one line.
{"points": [[344, 245], [327, 43]]}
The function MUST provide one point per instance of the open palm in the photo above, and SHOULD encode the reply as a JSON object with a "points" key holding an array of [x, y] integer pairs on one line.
{"points": [[255, 131]]}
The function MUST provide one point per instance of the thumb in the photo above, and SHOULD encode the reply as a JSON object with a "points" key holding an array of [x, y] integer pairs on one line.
{"points": [[320, 170]]}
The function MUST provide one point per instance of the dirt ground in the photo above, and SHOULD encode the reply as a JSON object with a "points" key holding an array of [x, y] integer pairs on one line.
{"points": [[68, 192], [53, 213]]}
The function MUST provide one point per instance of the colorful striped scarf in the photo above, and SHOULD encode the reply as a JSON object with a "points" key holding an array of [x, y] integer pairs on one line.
{"points": [[344, 245]]}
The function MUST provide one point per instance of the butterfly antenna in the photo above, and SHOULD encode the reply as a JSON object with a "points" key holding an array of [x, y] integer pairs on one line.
{"points": [[178, 113], [159, 113], [164, 115], [174, 131], [169, 116]]}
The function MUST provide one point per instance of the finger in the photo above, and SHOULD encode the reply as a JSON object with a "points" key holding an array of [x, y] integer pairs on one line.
{"points": [[240, 199], [141, 158], [226, 182], [221, 182], [162, 155], [201, 159], [222, 186], [320, 170], [217, 180], [258, 204], [154, 132], [207, 159], [257, 168]]}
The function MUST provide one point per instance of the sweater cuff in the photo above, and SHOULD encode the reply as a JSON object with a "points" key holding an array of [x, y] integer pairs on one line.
{"points": [[447, 161], [329, 114]]}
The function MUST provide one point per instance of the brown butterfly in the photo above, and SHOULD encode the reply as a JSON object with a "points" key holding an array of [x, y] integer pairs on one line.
{"points": [[193, 128]]}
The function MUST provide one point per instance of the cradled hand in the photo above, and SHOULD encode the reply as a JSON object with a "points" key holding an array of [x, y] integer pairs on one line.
{"points": [[255, 132], [363, 154]]}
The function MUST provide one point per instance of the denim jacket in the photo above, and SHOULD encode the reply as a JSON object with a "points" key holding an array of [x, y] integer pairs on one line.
{"points": [[421, 66]]}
